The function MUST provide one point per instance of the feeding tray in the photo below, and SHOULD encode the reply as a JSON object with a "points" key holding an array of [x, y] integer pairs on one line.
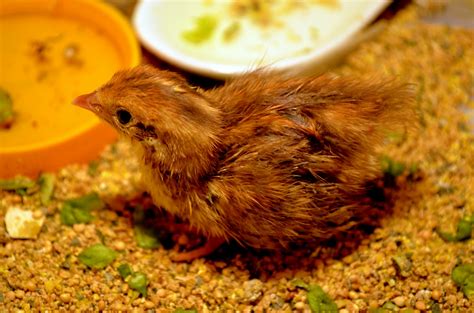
{"points": [[50, 52]]}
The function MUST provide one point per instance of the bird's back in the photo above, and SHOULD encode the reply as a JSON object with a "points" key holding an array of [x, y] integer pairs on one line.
{"points": [[297, 154]]}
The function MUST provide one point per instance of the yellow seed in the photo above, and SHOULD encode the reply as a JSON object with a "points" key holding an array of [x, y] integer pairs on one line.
{"points": [[120, 245], [420, 305], [37, 214], [436, 294], [101, 305], [65, 297], [149, 305], [19, 293], [49, 286], [10, 295], [79, 228], [30, 285]]}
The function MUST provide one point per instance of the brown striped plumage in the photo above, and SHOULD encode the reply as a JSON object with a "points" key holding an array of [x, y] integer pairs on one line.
{"points": [[264, 159]]}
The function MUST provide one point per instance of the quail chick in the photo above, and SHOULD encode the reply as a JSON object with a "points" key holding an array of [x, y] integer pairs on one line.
{"points": [[265, 160]]}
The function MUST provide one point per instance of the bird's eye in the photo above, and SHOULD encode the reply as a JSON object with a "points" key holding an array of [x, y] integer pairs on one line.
{"points": [[123, 116]]}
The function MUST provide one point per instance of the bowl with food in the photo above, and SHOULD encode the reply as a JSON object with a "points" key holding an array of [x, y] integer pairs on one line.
{"points": [[226, 38], [51, 51]]}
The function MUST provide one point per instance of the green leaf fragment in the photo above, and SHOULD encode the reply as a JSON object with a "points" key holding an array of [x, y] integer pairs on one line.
{"points": [[66, 264], [463, 230], [185, 311], [97, 256], [124, 270], [89, 202], [389, 305], [468, 288], [204, 27], [100, 235], [319, 301], [392, 167], [6, 109], [21, 192], [435, 308], [92, 168], [78, 210], [138, 282], [469, 218], [300, 284], [46, 183], [403, 264], [17, 183], [70, 215], [146, 237], [463, 276]]}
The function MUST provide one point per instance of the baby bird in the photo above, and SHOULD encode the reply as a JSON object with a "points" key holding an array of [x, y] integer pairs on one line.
{"points": [[264, 159]]}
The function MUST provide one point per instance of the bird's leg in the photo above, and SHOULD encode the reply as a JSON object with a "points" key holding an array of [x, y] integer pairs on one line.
{"points": [[210, 246]]}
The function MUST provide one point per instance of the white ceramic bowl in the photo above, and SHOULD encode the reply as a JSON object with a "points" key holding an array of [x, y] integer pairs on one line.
{"points": [[160, 23]]}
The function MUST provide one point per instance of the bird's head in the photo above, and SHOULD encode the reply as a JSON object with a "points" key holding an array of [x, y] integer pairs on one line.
{"points": [[157, 109]]}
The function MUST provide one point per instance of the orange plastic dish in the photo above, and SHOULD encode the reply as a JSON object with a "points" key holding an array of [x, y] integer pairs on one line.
{"points": [[50, 52]]}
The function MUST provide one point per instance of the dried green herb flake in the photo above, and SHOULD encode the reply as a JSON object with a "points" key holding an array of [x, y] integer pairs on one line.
{"points": [[66, 264], [389, 305], [435, 308], [100, 235], [138, 281], [300, 284], [17, 183], [97, 256], [463, 230], [204, 27], [6, 109], [92, 168], [391, 167], [463, 276], [319, 301], [46, 183], [88, 202], [78, 210], [124, 270], [402, 264], [70, 215], [146, 237]]}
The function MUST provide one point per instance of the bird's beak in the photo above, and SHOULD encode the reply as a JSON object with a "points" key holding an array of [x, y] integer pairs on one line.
{"points": [[88, 101]]}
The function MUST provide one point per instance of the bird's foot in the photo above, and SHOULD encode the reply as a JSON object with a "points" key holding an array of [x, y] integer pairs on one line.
{"points": [[210, 246]]}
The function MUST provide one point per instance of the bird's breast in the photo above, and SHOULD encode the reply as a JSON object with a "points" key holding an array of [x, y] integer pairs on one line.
{"points": [[161, 194]]}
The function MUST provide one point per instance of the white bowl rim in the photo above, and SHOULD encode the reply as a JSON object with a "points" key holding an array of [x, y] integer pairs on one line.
{"points": [[222, 71]]}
